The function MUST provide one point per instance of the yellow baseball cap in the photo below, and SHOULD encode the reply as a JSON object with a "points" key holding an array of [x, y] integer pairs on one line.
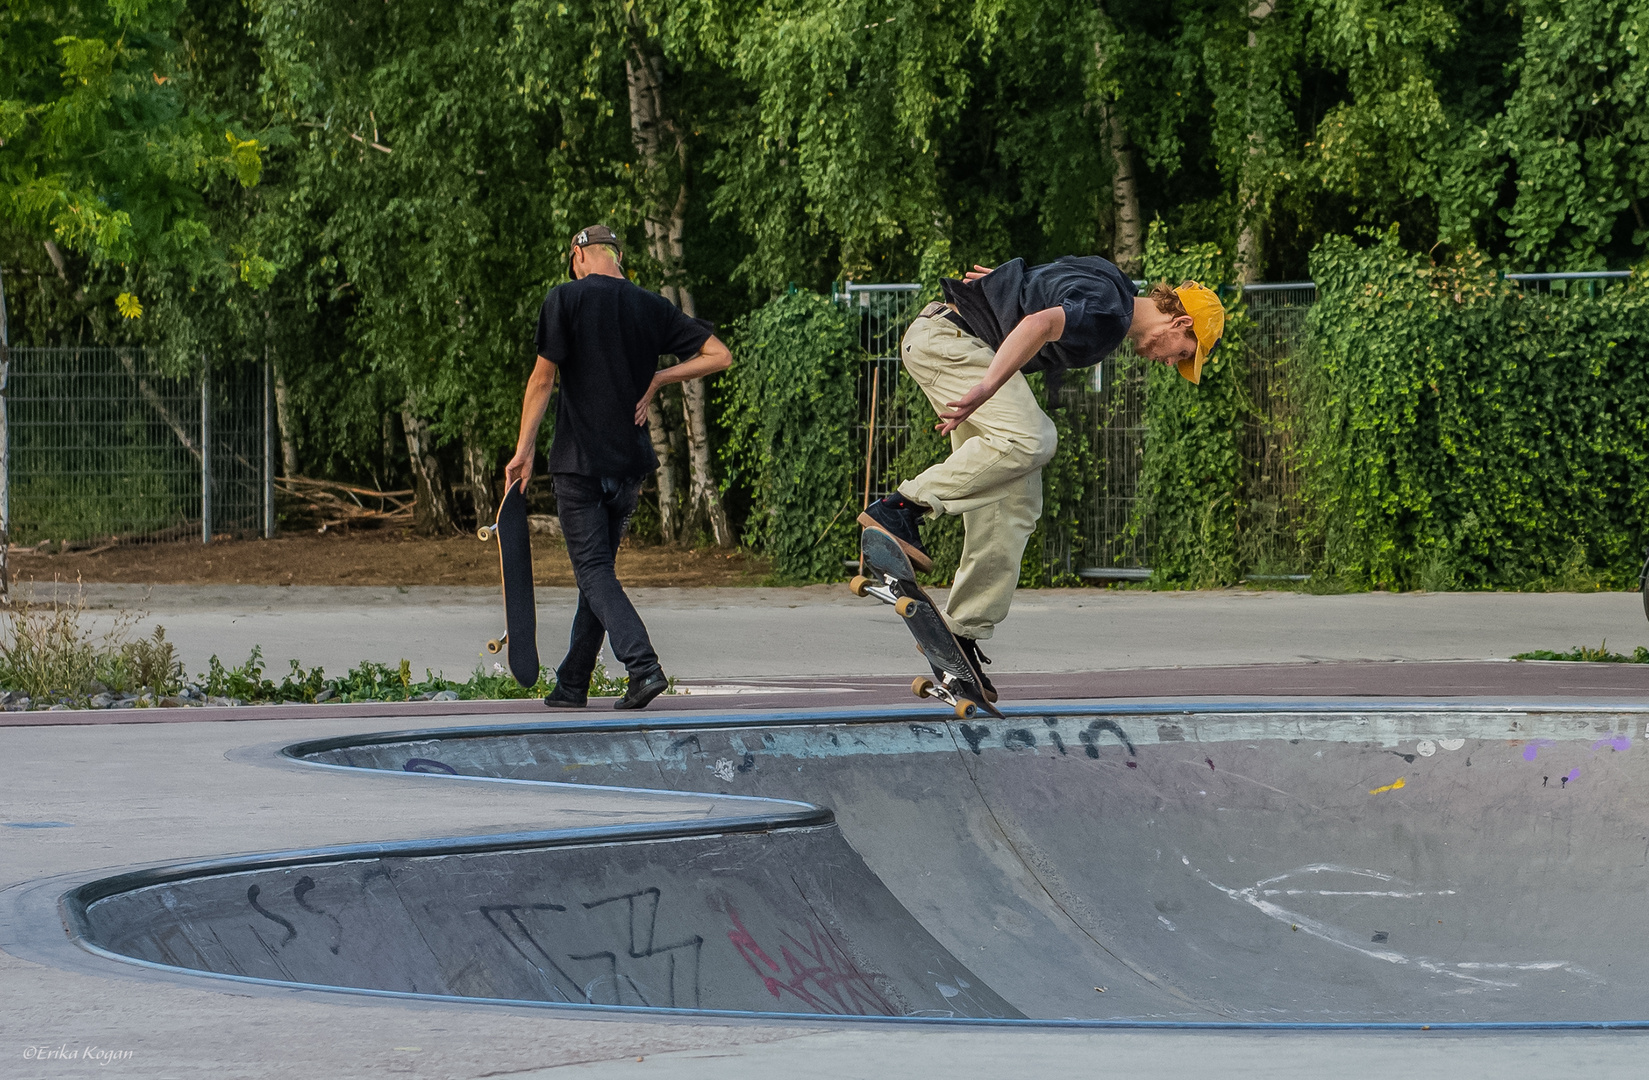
{"points": [[1207, 323]]}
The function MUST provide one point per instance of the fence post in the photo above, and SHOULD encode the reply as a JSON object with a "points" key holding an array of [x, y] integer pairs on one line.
{"points": [[268, 453], [205, 452]]}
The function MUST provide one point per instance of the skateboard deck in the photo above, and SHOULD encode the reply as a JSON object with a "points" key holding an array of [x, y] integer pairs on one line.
{"points": [[520, 636], [889, 576], [1643, 583]]}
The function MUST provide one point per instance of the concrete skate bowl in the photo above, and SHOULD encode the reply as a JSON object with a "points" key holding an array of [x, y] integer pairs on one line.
{"points": [[1201, 867]]}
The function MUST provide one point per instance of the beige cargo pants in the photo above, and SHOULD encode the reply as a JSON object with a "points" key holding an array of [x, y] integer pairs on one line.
{"points": [[993, 476]]}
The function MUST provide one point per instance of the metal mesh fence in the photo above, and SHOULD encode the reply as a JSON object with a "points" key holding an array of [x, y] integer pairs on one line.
{"points": [[1588, 283], [1273, 434], [884, 424], [102, 446], [1108, 407]]}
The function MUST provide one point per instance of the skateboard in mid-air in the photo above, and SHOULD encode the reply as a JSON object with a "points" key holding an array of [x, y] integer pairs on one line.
{"points": [[888, 576], [515, 568]]}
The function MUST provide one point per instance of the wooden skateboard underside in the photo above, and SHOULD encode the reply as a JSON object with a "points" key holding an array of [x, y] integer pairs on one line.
{"points": [[889, 576], [515, 570]]}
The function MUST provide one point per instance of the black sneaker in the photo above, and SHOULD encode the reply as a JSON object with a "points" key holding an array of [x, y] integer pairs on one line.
{"points": [[562, 698], [643, 689], [979, 660], [899, 517]]}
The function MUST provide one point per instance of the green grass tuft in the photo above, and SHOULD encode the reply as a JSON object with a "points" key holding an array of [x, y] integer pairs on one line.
{"points": [[1583, 654]]}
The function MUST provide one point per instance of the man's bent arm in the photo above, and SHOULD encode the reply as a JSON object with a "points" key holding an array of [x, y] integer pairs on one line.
{"points": [[711, 358], [533, 406], [1025, 341]]}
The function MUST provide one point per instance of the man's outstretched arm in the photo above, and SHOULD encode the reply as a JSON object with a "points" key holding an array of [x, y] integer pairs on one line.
{"points": [[1025, 341], [533, 405], [711, 358]]}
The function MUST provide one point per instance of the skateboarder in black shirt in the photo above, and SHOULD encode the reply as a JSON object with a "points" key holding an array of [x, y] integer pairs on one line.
{"points": [[604, 335]]}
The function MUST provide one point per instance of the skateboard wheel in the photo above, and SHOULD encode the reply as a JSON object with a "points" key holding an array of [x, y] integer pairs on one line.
{"points": [[859, 586], [484, 533], [494, 645], [965, 709], [921, 687], [905, 606]]}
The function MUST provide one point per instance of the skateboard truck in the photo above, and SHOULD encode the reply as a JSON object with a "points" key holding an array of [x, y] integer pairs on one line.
{"points": [[495, 645], [907, 607]]}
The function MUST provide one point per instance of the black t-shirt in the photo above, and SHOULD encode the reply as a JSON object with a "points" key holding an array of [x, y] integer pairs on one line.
{"points": [[1098, 299], [605, 336]]}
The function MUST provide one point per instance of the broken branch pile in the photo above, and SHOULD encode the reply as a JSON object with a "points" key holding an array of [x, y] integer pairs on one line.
{"points": [[333, 503]]}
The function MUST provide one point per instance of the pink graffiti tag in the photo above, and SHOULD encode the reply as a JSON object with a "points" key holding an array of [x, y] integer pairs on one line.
{"points": [[820, 974]]}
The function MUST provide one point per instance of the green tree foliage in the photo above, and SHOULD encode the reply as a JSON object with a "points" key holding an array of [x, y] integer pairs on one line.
{"points": [[101, 147], [433, 194], [106, 153], [419, 170], [1575, 136]]}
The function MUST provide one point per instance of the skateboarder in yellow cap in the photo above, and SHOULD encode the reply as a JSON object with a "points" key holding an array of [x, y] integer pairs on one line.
{"points": [[968, 354]]}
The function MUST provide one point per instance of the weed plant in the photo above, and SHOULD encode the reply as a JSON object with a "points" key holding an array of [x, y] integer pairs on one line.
{"points": [[370, 681], [1583, 654], [51, 654]]}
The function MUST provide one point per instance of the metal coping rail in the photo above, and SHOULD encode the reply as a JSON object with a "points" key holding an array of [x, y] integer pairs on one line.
{"points": [[1282, 286], [805, 816], [1576, 275], [852, 287], [300, 751], [1279, 286], [73, 904]]}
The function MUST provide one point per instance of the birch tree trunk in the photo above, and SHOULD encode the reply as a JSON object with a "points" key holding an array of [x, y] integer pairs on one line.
{"points": [[657, 138], [478, 479], [669, 499], [1128, 237], [1252, 223], [1128, 247], [432, 507], [283, 420], [703, 495]]}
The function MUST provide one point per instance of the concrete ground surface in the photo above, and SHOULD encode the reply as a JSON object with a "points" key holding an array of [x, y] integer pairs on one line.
{"points": [[119, 796], [132, 795], [763, 633]]}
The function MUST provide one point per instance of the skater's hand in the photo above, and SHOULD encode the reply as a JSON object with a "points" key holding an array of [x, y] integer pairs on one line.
{"points": [[977, 272], [519, 468], [964, 407], [646, 401]]}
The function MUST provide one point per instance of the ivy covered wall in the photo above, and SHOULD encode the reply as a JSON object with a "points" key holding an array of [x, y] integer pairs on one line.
{"points": [[791, 412], [1188, 487], [1472, 433]]}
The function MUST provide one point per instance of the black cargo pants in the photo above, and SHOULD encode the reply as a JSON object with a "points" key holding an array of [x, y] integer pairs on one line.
{"points": [[594, 512]]}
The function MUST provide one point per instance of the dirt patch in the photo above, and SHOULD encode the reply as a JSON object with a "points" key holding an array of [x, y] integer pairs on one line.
{"points": [[386, 558]]}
